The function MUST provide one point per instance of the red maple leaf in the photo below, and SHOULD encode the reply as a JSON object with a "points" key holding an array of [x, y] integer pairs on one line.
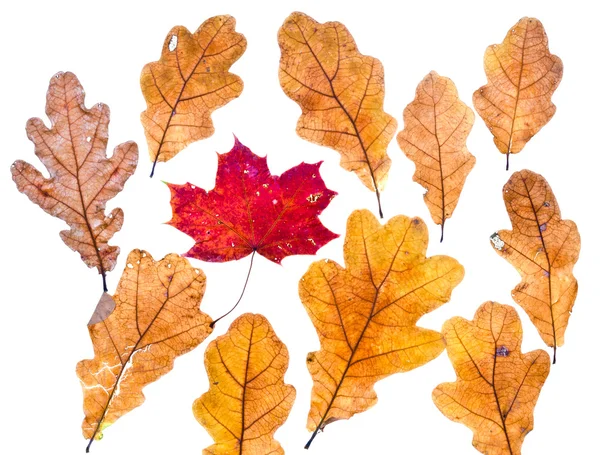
{"points": [[249, 210]]}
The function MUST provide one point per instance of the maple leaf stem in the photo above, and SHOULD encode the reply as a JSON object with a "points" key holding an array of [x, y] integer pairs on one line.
{"points": [[87, 449], [104, 281], [212, 324], [442, 236], [507, 155], [554, 357]]}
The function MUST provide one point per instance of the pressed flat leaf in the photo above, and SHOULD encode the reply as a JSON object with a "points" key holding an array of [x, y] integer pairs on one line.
{"points": [[250, 210], [366, 314], [341, 94], [543, 248], [156, 317], [188, 83], [247, 400], [436, 126], [82, 179], [497, 385], [522, 76]]}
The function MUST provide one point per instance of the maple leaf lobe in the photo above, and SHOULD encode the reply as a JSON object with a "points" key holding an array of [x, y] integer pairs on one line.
{"points": [[82, 179], [251, 210]]}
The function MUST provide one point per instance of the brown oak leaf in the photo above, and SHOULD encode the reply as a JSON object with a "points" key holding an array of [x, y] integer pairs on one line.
{"points": [[188, 83], [366, 314], [543, 248], [522, 76], [341, 94], [436, 126], [247, 400], [81, 179], [497, 385], [154, 318]]}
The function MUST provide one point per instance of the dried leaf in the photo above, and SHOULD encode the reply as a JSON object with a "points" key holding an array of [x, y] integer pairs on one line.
{"points": [[247, 400], [436, 126], [341, 94], [543, 248], [81, 179], [366, 314], [497, 385], [156, 318], [188, 83], [249, 210], [522, 76]]}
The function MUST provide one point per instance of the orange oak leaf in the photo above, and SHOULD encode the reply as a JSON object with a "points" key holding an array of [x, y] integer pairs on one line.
{"points": [[522, 76], [497, 385], [436, 126], [153, 318], [247, 400], [366, 314], [188, 83], [82, 179], [341, 94], [543, 248]]}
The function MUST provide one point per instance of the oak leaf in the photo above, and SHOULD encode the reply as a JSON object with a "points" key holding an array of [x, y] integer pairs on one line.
{"points": [[251, 211], [188, 83], [366, 314], [82, 179], [497, 385], [341, 95], [155, 317], [522, 76], [543, 248], [247, 400], [436, 126]]}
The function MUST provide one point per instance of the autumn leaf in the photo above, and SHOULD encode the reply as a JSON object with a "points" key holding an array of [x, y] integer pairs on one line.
{"points": [[188, 83], [497, 385], [154, 318], [366, 314], [251, 211], [247, 400], [436, 126], [341, 94], [543, 248], [81, 179], [522, 76]]}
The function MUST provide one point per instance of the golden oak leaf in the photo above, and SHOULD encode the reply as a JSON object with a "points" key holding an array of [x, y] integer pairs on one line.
{"points": [[543, 248], [497, 385], [188, 83], [366, 314], [522, 76], [247, 400], [81, 179], [341, 94], [155, 317], [436, 126]]}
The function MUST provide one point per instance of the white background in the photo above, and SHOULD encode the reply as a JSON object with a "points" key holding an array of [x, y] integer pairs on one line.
{"points": [[49, 295]]}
